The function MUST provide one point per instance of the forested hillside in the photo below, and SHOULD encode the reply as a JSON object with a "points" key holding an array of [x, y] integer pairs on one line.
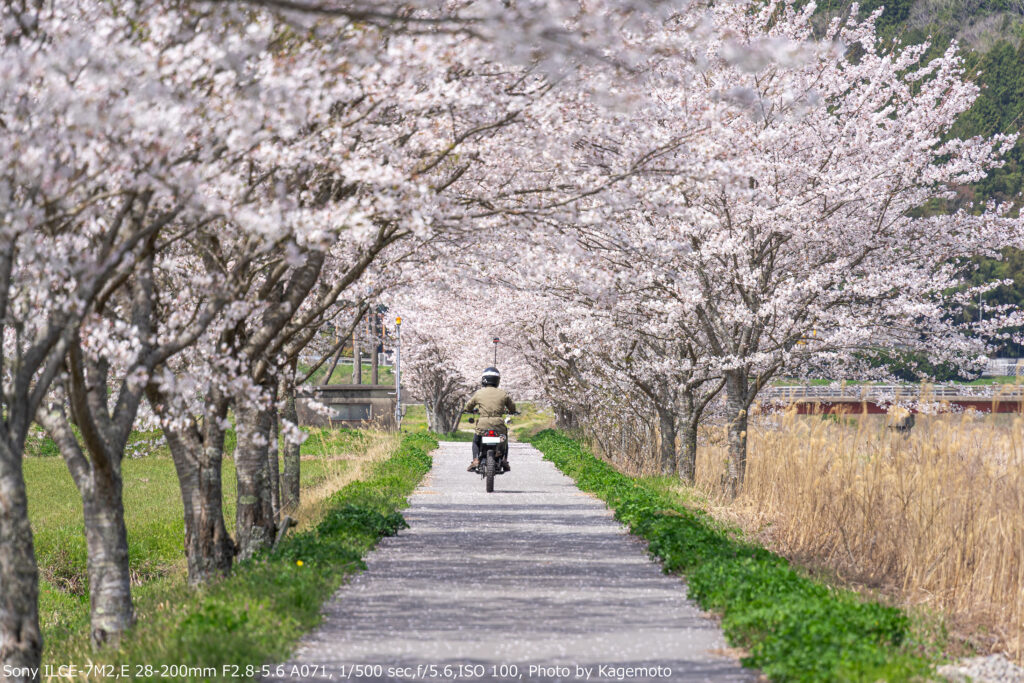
{"points": [[991, 35]]}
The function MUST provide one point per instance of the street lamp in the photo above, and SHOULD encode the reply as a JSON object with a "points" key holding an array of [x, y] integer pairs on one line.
{"points": [[496, 340]]}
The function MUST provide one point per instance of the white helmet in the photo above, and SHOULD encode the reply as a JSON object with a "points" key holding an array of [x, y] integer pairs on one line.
{"points": [[491, 377]]}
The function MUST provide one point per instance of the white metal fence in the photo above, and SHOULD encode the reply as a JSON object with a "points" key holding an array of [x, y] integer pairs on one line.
{"points": [[1004, 367]]}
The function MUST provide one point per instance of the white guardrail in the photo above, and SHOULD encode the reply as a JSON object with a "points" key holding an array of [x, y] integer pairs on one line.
{"points": [[1004, 367]]}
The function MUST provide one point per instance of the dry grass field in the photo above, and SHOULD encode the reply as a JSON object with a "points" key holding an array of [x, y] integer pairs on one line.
{"points": [[933, 519]]}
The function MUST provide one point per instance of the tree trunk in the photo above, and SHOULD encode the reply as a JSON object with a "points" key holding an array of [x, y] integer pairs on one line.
{"points": [[273, 457], [442, 416], [106, 537], [100, 485], [334, 364], [198, 457], [450, 418], [688, 421], [292, 458], [566, 418], [209, 550], [254, 517], [21, 644], [667, 448], [736, 385], [433, 417], [688, 452]]}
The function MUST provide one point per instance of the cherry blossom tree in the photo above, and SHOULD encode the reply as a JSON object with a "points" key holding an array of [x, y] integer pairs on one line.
{"points": [[448, 340], [194, 144], [767, 218], [84, 197], [803, 228]]}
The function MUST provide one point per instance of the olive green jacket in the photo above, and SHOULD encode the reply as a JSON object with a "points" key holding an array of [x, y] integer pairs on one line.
{"points": [[492, 403]]}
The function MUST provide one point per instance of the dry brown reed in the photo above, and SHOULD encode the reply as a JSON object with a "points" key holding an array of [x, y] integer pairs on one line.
{"points": [[628, 439], [933, 518], [341, 469]]}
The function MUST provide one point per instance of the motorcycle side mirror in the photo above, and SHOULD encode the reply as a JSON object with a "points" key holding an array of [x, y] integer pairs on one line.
{"points": [[470, 420]]}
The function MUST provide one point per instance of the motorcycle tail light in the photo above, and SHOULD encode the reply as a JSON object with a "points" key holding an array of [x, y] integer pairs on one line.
{"points": [[491, 433]]}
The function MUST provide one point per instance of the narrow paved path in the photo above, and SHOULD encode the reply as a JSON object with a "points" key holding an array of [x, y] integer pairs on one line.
{"points": [[535, 581]]}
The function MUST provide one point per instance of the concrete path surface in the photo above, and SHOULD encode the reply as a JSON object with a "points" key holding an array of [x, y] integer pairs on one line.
{"points": [[535, 581]]}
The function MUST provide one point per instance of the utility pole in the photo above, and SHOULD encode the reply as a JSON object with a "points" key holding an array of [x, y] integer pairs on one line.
{"points": [[398, 373], [375, 344], [357, 358]]}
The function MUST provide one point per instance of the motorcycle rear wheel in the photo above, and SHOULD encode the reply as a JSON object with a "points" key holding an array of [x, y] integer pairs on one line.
{"points": [[489, 471]]}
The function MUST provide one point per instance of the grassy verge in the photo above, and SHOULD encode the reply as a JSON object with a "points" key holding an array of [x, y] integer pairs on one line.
{"points": [[793, 628], [154, 517], [343, 374], [254, 616], [532, 419]]}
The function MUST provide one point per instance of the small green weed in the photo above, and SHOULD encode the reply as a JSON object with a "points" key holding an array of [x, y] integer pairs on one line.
{"points": [[39, 444]]}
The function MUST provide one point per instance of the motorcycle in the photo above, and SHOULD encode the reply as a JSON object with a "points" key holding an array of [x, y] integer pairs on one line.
{"points": [[493, 458]]}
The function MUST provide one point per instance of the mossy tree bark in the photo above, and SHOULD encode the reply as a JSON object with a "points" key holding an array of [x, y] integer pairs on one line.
{"points": [[290, 478], [255, 524], [737, 403], [21, 644], [198, 454]]}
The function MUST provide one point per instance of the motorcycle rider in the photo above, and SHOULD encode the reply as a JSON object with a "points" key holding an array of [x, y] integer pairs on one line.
{"points": [[492, 404]]}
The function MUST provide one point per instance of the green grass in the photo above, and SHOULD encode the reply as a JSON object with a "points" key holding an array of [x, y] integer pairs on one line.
{"points": [[140, 443], [532, 419], [794, 628], [153, 515], [343, 374], [415, 419], [154, 518], [986, 381], [415, 422]]}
